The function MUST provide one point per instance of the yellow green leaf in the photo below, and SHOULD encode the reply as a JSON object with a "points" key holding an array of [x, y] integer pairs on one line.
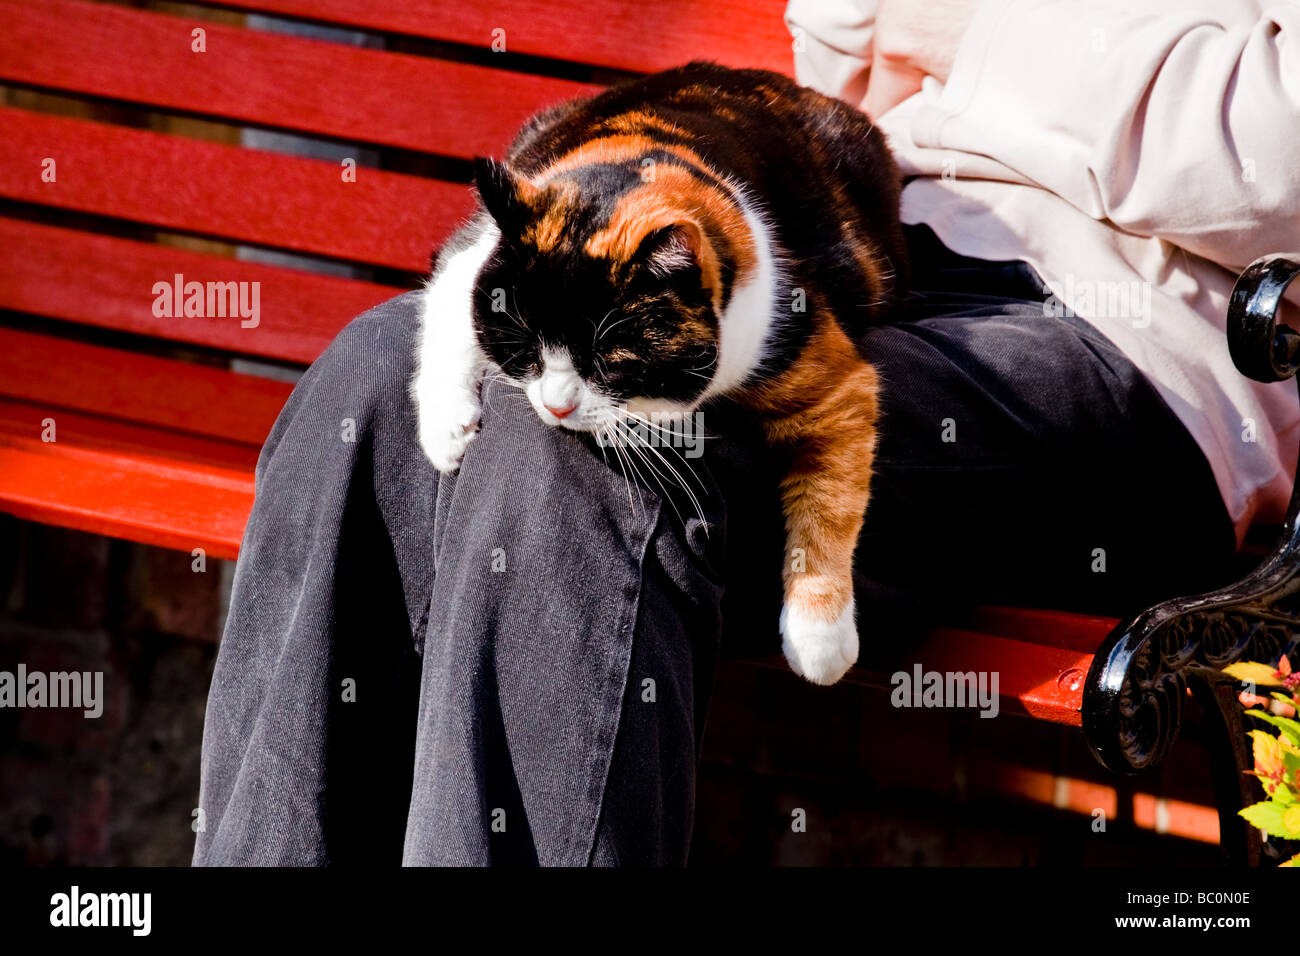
{"points": [[1268, 754], [1289, 726], [1254, 673], [1267, 816]]}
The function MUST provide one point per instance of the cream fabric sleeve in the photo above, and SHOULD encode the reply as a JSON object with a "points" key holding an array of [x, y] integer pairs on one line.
{"points": [[832, 45], [1171, 125], [1167, 123]]}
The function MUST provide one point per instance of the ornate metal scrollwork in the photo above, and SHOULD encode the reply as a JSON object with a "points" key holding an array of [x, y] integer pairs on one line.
{"points": [[1139, 678]]}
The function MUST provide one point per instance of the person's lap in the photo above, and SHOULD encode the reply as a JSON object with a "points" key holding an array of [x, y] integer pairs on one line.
{"points": [[562, 648], [1020, 455]]}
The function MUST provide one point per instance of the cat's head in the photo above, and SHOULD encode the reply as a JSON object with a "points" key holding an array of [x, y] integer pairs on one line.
{"points": [[603, 294]]}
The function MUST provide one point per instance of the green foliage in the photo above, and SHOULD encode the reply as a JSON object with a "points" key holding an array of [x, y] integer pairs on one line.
{"points": [[1277, 758]]}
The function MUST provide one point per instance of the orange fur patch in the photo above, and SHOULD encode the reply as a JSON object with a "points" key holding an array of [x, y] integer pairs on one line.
{"points": [[674, 195], [823, 412]]}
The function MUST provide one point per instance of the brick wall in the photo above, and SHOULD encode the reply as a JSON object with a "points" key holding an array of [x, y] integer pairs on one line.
{"points": [[117, 789]]}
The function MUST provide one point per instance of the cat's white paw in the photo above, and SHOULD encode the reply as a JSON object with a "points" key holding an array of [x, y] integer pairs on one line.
{"points": [[820, 651], [450, 366], [448, 423]]}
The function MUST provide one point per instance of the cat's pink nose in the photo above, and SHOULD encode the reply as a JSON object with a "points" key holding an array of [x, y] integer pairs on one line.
{"points": [[561, 411]]}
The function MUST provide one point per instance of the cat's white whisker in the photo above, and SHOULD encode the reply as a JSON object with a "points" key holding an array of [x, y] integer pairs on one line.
{"points": [[618, 454], [634, 449], [627, 456], [659, 432], [642, 449], [660, 428], [613, 325], [595, 336]]}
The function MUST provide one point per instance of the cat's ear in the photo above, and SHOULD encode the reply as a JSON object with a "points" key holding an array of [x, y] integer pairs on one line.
{"points": [[502, 193], [672, 249]]}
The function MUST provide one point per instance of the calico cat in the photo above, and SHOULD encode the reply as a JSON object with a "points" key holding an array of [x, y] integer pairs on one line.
{"points": [[696, 233]]}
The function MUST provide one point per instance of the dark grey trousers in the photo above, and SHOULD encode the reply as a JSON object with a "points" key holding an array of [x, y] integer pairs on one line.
{"points": [[513, 664]]}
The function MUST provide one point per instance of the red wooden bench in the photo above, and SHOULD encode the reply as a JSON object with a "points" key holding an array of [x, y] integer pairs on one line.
{"points": [[155, 435]]}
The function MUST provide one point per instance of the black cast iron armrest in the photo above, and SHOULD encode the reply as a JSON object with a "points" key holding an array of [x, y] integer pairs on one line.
{"points": [[1133, 698]]}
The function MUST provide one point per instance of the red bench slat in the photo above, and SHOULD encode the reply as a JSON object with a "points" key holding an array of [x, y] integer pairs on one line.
{"points": [[383, 218], [108, 282], [225, 463], [611, 33], [302, 84], [57, 374], [1034, 679], [125, 481], [1074, 632]]}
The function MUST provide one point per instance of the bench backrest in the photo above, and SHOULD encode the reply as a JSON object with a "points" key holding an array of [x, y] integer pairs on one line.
{"points": [[94, 212]]}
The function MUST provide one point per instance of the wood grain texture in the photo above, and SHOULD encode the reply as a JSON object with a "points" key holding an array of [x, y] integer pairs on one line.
{"points": [[620, 34], [383, 218], [248, 75], [108, 282]]}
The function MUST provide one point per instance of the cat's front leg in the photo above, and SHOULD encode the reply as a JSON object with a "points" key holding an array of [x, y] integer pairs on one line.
{"points": [[450, 364], [824, 497]]}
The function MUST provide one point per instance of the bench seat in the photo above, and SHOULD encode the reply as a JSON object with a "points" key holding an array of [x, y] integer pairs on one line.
{"points": [[145, 448], [1041, 658]]}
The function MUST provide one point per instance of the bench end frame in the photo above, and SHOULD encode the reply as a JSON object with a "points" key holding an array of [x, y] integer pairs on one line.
{"points": [[1140, 676]]}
